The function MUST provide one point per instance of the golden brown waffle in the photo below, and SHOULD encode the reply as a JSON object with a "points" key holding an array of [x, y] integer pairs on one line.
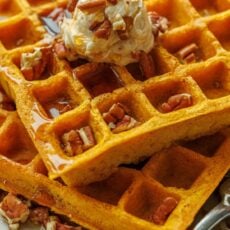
{"points": [[206, 80], [130, 198], [204, 24]]}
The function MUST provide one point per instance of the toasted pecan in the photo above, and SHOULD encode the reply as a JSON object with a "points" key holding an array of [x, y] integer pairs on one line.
{"points": [[103, 30], [92, 5], [147, 64], [177, 101], [114, 2], [71, 5], [124, 34], [87, 136], [164, 210], [187, 50], [39, 215]]}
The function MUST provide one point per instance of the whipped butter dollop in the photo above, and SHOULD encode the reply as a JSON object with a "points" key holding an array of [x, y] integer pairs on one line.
{"points": [[108, 31]]}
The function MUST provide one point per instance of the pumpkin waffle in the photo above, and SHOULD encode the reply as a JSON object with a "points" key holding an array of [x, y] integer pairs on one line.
{"points": [[162, 192], [67, 106]]}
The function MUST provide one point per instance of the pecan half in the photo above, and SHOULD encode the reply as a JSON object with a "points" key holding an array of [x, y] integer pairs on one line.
{"points": [[92, 5], [164, 210], [147, 64], [176, 102]]}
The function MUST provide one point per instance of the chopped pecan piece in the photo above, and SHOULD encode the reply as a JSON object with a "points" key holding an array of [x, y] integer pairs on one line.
{"points": [[159, 23], [126, 123], [109, 118], [114, 2], [87, 137], [60, 49], [103, 30], [71, 5], [118, 119], [117, 111], [77, 141], [188, 53], [13, 209], [94, 25], [39, 215], [92, 5], [164, 210], [124, 34], [33, 65], [176, 102], [72, 143], [190, 58], [147, 64]]}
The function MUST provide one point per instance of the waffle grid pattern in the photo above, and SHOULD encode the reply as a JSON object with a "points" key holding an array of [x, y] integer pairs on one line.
{"points": [[128, 191], [130, 196], [200, 79]]}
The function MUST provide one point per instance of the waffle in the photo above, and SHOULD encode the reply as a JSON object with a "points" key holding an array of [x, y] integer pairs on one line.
{"points": [[191, 60], [162, 192], [168, 188]]}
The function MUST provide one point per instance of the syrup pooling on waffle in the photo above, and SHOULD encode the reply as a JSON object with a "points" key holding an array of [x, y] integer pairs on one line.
{"points": [[80, 89], [103, 79]]}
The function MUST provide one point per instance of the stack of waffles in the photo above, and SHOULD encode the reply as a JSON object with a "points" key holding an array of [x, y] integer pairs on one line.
{"points": [[70, 129]]}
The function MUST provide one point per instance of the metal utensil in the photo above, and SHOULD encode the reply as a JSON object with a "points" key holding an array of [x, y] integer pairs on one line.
{"points": [[220, 212]]}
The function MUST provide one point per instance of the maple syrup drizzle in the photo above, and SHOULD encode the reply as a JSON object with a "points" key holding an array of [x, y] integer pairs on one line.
{"points": [[57, 162], [58, 107], [11, 76], [39, 119], [102, 81], [6, 103]]}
